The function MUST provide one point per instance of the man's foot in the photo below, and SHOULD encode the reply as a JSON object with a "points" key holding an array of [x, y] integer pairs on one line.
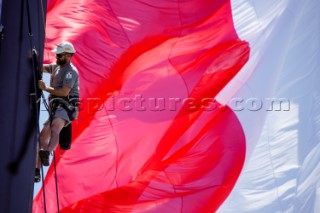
{"points": [[37, 176], [44, 156]]}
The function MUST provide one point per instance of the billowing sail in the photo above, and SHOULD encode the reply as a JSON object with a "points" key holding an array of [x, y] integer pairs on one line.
{"points": [[278, 107], [174, 106]]}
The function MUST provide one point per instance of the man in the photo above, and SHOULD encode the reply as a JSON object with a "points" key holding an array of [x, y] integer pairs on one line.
{"points": [[63, 90]]}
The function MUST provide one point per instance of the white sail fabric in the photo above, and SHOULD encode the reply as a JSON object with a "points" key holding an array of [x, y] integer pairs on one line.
{"points": [[282, 169]]}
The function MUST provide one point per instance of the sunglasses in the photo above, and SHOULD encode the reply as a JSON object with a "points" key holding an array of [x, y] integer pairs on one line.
{"points": [[60, 55]]}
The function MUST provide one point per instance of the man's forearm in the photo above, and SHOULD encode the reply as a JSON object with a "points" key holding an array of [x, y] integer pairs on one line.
{"points": [[60, 92], [46, 68]]}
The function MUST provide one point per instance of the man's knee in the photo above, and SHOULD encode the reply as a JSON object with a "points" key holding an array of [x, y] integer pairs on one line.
{"points": [[57, 125]]}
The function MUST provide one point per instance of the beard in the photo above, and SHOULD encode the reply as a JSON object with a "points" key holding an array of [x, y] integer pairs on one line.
{"points": [[61, 62]]}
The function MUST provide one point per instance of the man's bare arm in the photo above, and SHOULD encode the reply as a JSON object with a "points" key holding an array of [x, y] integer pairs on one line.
{"points": [[61, 92], [46, 68]]}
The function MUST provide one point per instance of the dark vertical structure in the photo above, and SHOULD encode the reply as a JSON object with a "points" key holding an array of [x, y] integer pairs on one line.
{"points": [[22, 35]]}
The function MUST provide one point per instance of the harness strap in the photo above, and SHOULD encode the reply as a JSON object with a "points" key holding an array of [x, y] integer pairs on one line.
{"points": [[70, 104]]}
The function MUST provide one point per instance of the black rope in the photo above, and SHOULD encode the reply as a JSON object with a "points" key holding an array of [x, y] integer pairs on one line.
{"points": [[47, 106], [49, 110], [56, 180]]}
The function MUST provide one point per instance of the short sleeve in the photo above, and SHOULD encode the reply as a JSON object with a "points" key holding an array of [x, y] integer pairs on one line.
{"points": [[70, 78]]}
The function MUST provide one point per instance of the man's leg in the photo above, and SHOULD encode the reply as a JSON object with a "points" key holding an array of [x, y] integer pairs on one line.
{"points": [[56, 127], [44, 140]]}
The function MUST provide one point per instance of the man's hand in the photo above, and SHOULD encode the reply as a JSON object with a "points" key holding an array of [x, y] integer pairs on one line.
{"points": [[61, 91], [42, 85]]}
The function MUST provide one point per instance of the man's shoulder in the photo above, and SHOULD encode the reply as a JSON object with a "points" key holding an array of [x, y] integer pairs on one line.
{"points": [[74, 68]]}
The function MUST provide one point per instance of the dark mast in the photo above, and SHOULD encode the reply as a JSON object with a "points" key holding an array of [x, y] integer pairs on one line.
{"points": [[21, 53]]}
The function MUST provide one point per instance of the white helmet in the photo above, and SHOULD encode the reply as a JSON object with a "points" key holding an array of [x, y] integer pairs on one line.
{"points": [[64, 47]]}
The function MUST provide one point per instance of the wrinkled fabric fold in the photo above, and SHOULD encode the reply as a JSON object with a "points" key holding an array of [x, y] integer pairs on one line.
{"points": [[150, 136]]}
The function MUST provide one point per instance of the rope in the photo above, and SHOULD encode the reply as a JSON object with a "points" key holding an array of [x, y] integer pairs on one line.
{"points": [[54, 156], [47, 106], [49, 111], [56, 180]]}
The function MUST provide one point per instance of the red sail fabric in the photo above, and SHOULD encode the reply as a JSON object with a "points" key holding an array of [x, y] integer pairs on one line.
{"points": [[150, 137]]}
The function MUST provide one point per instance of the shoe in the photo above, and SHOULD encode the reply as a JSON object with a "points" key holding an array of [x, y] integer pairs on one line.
{"points": [[37, 176], [44, 156]]}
